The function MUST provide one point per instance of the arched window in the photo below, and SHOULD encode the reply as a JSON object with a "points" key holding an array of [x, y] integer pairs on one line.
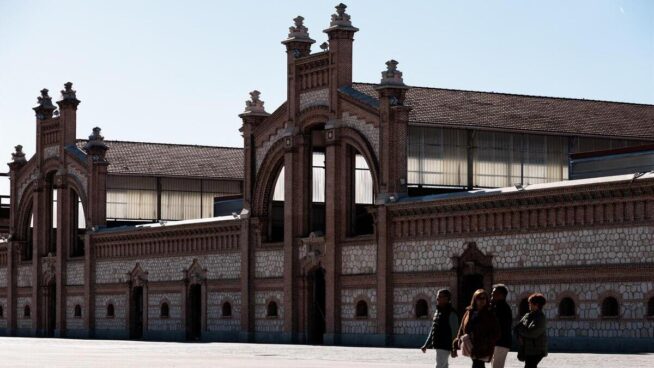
{"points": [[78, 311], [165, 310], [276, 226], [422, 309], [361, 309], [77, 225], [271, 310], [227, 310], [523, 307], [650, 307], [27, 313], [362, 197], [110, 310], [2, 312], [610, 307], [28, 247], [567, 308]]}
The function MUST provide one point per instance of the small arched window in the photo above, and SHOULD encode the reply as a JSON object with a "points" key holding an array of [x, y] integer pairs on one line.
{"points": [[650, 307], [165, 310], [610, 307], [523, 307], [78, 311], [110, 310], [271, 310], [361, 309], [567, 308], [2, 312], [422, 309], [27, 312], [227, 310]]}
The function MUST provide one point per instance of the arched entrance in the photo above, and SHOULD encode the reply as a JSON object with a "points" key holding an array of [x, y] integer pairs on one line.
{"points": [[195, 279], [474, 271], [316, 306], [138, 296]]}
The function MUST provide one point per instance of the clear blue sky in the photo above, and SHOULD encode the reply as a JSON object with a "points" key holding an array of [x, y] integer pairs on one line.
{"points": [[179, 71]]}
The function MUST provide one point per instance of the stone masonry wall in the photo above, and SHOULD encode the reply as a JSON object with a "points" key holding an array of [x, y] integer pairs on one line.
{"points": [[21, 302], [268, 263], [24, 278], [359, 259], [72, 322], [262, 323], [75, 273], [3, 318], [219, 267], [174, 321], [404, 309], [631, 296], [119, 321], [565, 248], [356, 325], [319, 97], [3, 277], [215, 320]]}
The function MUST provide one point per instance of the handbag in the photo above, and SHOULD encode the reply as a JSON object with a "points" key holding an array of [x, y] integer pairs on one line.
{"points": [[465, 344]]}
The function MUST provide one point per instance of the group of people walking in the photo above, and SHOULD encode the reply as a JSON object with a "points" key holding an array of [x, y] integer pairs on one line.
{"points": [[486, 331]]}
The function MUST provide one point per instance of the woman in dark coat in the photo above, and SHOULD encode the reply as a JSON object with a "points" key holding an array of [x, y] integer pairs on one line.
{"points": [[531, 333], [480, 329]]}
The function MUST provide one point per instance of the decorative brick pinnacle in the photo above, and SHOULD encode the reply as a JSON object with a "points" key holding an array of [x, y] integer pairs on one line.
{"points": [[96, 140], [392, 76], [299, 31], [18, 157], [254, 105], [44, 107], [341, 18], [68, 95]]}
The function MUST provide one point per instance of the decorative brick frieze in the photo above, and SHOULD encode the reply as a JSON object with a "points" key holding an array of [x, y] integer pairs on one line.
{"points": [[216, 321], [318, 97], [219, 266], [313, 72], [22, 321], [269, 263], [367, 129], [174, 320], [569, 247], [73, 322], [24, 278], [262, 322], [74, 273], [119, 320], [359, 259]]}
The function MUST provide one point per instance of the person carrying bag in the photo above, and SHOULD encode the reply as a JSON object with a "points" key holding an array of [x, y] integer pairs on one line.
{"points": [[479, 331]]}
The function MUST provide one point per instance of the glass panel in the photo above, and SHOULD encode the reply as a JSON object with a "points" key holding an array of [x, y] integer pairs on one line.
{"points": [[278, 192], [318, 174], [363, 193]]}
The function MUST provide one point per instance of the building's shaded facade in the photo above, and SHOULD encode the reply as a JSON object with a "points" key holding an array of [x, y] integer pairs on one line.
{"points": [[360, 201]]}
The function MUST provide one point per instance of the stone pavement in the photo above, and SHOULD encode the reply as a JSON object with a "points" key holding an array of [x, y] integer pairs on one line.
{"points": [[69, 353]]}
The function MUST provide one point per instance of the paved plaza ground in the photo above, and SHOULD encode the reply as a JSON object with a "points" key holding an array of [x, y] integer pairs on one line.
{"points": [[26, 352]]}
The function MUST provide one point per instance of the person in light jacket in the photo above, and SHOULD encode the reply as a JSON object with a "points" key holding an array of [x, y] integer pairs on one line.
{"points": [[531, 332], [444, 326]]}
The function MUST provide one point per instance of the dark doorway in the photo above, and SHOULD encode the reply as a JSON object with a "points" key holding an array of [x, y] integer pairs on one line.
{"points": [[136, 325], [51, 312], [194, 313], [316, 313], [469, 284]]}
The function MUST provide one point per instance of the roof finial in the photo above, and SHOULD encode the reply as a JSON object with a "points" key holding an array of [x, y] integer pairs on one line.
{"points": [[44, 107], [254, 105], [68, 96], [96, 141], [392, 76], [341, 20], [18, 157], [299, 30]]}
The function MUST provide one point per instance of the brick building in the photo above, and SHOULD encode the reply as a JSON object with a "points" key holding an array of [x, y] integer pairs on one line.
{"points": [[359, 202]]}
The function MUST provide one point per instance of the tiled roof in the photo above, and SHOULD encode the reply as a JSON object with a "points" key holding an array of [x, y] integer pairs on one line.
{"points": [[179, 160], [565, 116]]}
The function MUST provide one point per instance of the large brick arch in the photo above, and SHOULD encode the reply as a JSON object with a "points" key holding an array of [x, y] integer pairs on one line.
{"points": [[266, 178], [353, 138]]}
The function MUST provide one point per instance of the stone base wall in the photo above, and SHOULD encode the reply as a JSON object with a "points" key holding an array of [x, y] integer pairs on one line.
{"points": [[3, 277], [263, 323], [351, 324], [3, 318], [359, 259], [215, 320], [22, 322], [268, 263], [75, 273], [24, 276], [405, 321], [119, 320], [174, 321], [72, 322]]}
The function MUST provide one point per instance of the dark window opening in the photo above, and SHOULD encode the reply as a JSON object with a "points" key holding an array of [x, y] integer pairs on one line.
{"points": [[362, 196], [271, 310], [2, 312], [28, 247], [277, 210], [78, 311], [51, 214], [361, 309], [567, 308], [77, 225], [227, 310], [422, 309], [650, 307], [27, 313], [110, 311], [523, 307], [610, 307], [165, 312]]}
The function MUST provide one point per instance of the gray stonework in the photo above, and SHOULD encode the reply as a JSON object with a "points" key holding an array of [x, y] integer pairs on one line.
{"points": [[72, 322], [565, 248], [24, 278], [263, 323], [632, 298], [216, 322], [174, 321], [262, 150], [3, 277], [318, 97], [359, 259], [3, 318], [22, 322], [74, 273], [366, 129], [119, 321], [357, 325], [268, 263], [219, 267], [405, 321]]}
